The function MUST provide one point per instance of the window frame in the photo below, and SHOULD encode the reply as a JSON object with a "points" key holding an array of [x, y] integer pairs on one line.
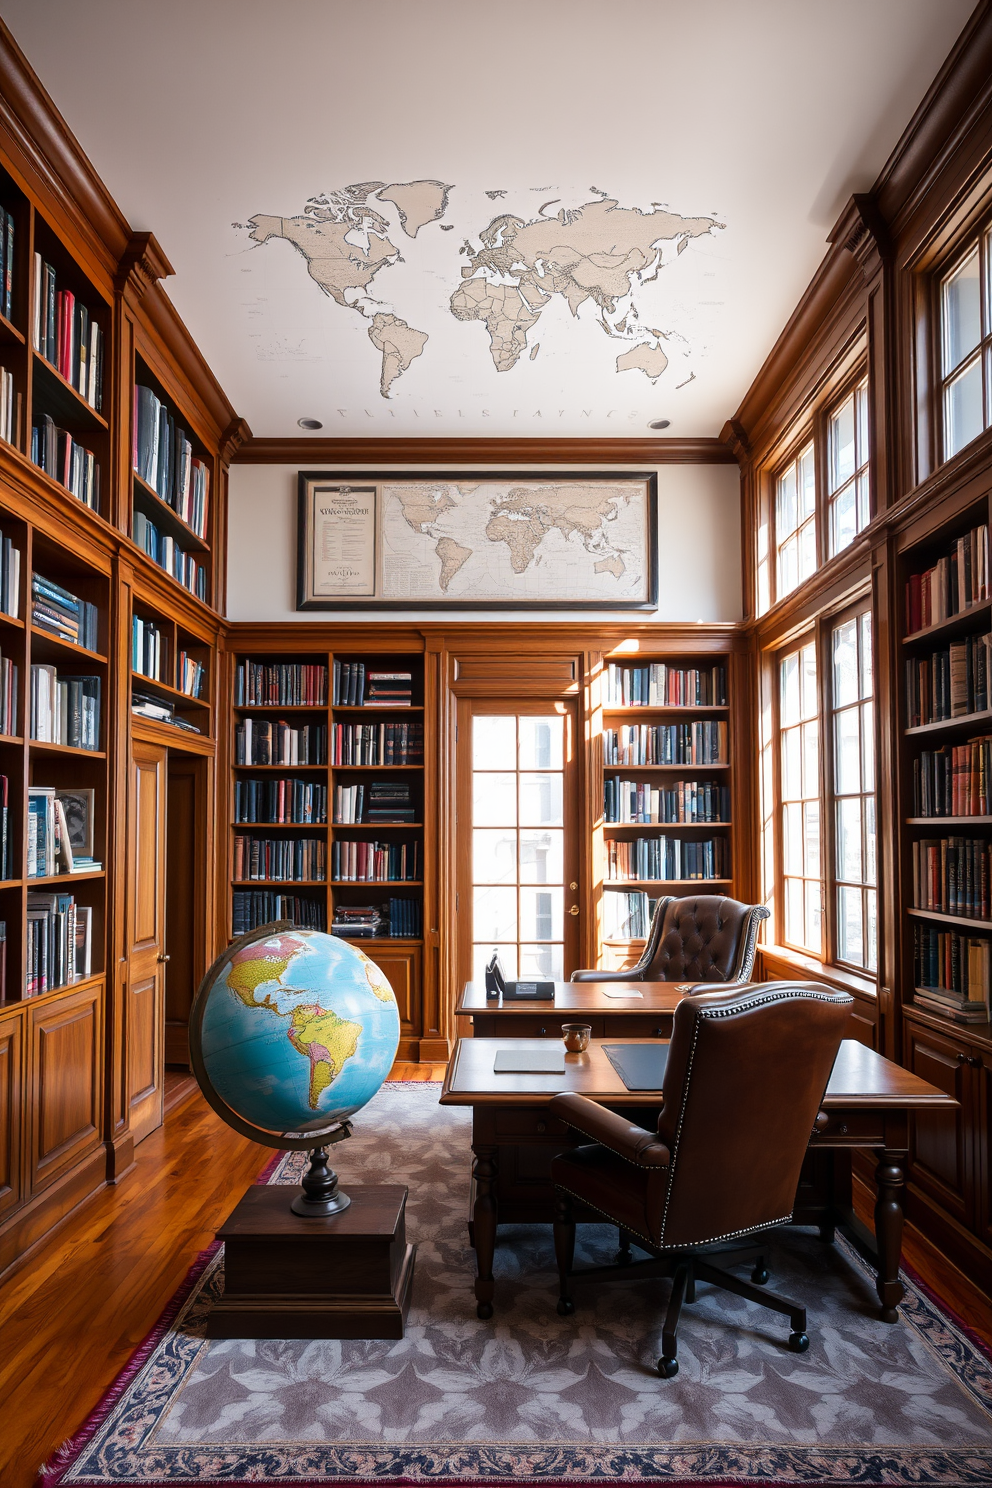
{"points": [[977, 238]]}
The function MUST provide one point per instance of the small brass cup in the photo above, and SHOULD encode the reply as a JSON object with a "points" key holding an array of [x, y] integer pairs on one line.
{"points": [[575, 1037]]}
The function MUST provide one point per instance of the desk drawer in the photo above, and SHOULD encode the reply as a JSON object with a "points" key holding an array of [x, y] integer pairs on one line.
{"points": [[637, 1025], [526, 1122], [851, 1128], [534, 1025]]}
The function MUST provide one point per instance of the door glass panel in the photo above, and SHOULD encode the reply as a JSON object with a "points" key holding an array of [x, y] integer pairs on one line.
{"points": [[541, 742], [540, 800], [495, 914], [494, 857], [494, 799], [494, 744], [541, 856]]}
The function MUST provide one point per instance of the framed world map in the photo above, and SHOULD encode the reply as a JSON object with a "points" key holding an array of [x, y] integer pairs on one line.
{"points": [[477, 541]]}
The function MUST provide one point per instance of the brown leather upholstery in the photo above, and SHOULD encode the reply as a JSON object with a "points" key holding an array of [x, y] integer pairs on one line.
{"points": [[746, 1072], [702, 938]]}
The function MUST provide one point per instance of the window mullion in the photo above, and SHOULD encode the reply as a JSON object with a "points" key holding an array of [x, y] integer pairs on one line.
{"points": [[828, 825]]}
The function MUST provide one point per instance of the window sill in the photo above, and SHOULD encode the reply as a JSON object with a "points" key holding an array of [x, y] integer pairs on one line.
{"points": [[781, 961]]}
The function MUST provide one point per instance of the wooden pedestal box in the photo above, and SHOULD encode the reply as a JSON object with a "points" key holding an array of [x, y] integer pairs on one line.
{"points": [[346, 1276]]}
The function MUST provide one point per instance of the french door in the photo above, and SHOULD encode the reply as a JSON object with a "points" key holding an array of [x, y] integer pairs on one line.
{"points": [[516, 844]]}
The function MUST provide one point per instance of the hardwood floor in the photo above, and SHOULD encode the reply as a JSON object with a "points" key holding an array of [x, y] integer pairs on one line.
{"points": [[74, 1312]]}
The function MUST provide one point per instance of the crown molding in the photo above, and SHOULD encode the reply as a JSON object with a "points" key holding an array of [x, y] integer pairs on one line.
{"points": [[861, 231], [142, 265], [234, 437], [531, 452]]}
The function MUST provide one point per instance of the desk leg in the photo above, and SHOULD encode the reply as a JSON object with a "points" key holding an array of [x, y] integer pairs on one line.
{"points": [[889, 1180], [485, 1217]]}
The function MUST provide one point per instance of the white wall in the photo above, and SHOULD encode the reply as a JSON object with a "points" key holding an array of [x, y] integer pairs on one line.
{"points": [[699, 569]]}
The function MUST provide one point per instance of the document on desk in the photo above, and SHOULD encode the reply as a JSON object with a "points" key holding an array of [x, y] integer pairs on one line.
{"points": [[529, 1062], [608, 993], [640, 1066]]}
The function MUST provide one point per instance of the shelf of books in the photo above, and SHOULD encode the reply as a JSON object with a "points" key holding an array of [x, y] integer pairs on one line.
{"points": [[171, 680], [666, 809], [947, 778]]}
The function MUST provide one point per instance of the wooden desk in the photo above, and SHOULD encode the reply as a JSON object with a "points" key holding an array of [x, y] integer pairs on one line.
{"points": [[646, 1016], [868, 1103]]}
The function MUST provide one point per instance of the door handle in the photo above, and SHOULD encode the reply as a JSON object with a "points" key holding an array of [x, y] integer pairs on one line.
{"points": [[163, 958], [574, 909]]}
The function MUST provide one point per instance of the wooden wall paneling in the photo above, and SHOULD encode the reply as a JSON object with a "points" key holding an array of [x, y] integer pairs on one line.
{"points": [[320, 453], [941, 1151], [402, 969], [145, 1004], [120, 1142], [435, 1029], [66, 1061], [981, 1067], [11, 1106], [189, 918]]}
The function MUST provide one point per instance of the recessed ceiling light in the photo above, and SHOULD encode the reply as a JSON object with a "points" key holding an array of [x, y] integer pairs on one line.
{"points": [[657, 424], [310, 423]]}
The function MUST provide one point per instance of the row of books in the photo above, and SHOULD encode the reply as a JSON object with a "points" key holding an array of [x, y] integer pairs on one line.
{"points": [[67, 335], [59, 942], [951, 875], [190, 675], [254, 907], [703, 742], [687, 801], [50, 846], [6, 837], [8, 695], [10, 577], [667, 858], [149, 649], [272, 741], [168, 554], [10, 404], [399, 919], [60, 455], [954, 781], [286, 684], [7, 262], [299, 801], [356, 686], [957, 580], [158, 710], [659, 685], [378, 801], [951, 974], [377, 743], [950, 683], [63, 614], [375, 862], [292, 859], [626, 914], [64, 710], [163, 457]]}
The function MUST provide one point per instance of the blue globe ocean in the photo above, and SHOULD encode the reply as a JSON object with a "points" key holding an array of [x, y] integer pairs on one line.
{"points": [[299, 1030]]}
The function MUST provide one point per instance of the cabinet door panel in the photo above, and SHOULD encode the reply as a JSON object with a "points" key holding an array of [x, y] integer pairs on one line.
{"points": [[66, 1083], [940, 1158], [11, 1052], [144, 1052], [983, 1149], [401, 968], [145, 1000]]}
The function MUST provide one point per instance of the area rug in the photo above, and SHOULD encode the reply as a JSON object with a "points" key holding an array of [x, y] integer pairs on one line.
{"points": [[529, 1397]]}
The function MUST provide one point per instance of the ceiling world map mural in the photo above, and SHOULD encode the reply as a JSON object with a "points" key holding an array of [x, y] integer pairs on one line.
{"points": [[503, 273]]}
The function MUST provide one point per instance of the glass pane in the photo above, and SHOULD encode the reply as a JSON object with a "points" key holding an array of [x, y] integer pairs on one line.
{"points": [[541, 914], [963, 409], [494, 857], [864, 501], [811, 836], [789, 675], [807, 550], [846, 663], [494, 743], [841, 462], [961, 313], [807, 483], [871, 929], [809, 681], [788, 566], [813, 916], [849, 841], [844, 523], [480, 960], [792, 770], [795, 926], [786, 513], [541, 742], [494, 800], [494, 914], [861, 399], [866, 663], [541, 856], [811, 758], [850, 942], [870, 869], [868, 747], [542, 962], [847, 752], [792, 839], [540, 800]]}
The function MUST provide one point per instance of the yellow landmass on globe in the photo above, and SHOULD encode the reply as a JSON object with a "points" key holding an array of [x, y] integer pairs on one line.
{"points": [[249, 970], [376, 978], [327, 1041]]}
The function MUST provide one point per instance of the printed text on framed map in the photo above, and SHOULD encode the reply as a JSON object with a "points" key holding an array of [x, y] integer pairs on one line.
{"points": [[527, 541]]}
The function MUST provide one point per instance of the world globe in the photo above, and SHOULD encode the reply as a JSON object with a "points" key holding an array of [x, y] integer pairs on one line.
{"points": [[292, 1032]]}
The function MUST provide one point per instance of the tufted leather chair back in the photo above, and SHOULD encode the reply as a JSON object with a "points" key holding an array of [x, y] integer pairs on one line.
{"points": [[703, 938]]}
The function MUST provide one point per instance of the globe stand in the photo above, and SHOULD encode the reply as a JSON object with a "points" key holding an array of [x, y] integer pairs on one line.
{"points": [[321, 1195]]}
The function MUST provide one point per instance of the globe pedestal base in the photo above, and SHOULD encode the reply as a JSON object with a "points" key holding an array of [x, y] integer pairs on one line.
{"points": [[321, 1196]]}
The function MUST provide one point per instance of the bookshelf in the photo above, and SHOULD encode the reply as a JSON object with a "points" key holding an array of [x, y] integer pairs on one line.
{"points": [[172, 474], [171, 669]]}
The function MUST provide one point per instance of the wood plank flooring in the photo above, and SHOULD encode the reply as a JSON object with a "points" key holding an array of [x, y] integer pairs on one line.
{"points": [[72, 1315]]}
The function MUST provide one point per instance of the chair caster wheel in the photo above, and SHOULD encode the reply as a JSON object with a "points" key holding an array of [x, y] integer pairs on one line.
{"points": [[799, 1342], [759, 1275], [565, 1307], [668, 1368], [484, 1310], [622, 1258]]}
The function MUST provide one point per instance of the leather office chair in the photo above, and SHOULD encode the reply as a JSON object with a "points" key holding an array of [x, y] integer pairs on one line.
{"points": [[703, 938], [746, 1071]]}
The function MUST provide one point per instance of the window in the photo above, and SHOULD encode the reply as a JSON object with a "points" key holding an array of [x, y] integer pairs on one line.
{"points": [[847, 468], [800, 837], [795, 522], [856, 938], [966, 347]]}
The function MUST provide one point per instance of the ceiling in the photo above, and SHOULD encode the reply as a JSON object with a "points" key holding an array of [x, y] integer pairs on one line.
{"points": [[667, 172]]}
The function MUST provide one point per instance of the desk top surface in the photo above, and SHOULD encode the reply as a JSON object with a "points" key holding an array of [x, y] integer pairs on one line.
{"points": [[581, 997], [860, 1079]]}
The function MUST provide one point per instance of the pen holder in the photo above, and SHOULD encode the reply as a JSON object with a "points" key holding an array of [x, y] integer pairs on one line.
{"points": [[575, 1037]]}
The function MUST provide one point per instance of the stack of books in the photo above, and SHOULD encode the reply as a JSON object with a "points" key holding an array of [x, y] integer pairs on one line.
{"points": [[953, 875], [64, 710], [61, 614], [10, 405], [255, 907], [951, 974], [8, 696], [699, 743], [659, 686], [299, 801], [388, 690], [405, 919], [643, 801], [191, 675], [626, 915], [958, 580], [7, 262], [49, 849], [163, 457], [954, 782], [292, 859], [357, 921], [59, 455], [666, 858], [348, 684], [59, 942], [949, 684], [10, 577], [349, 801], [267, 741], [167, 553], [159, 711], [285, 684], [378, 743], [6, 844], [375, 862], [388, 801], [67, 335], [149, 649]]}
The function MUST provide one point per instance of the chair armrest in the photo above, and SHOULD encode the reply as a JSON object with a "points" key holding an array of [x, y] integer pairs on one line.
{"points": [[615, 1132], [605, 976]]}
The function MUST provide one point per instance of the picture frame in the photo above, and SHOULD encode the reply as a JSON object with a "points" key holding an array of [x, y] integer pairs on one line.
{"points": [[552, 540], [78, 806]]}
